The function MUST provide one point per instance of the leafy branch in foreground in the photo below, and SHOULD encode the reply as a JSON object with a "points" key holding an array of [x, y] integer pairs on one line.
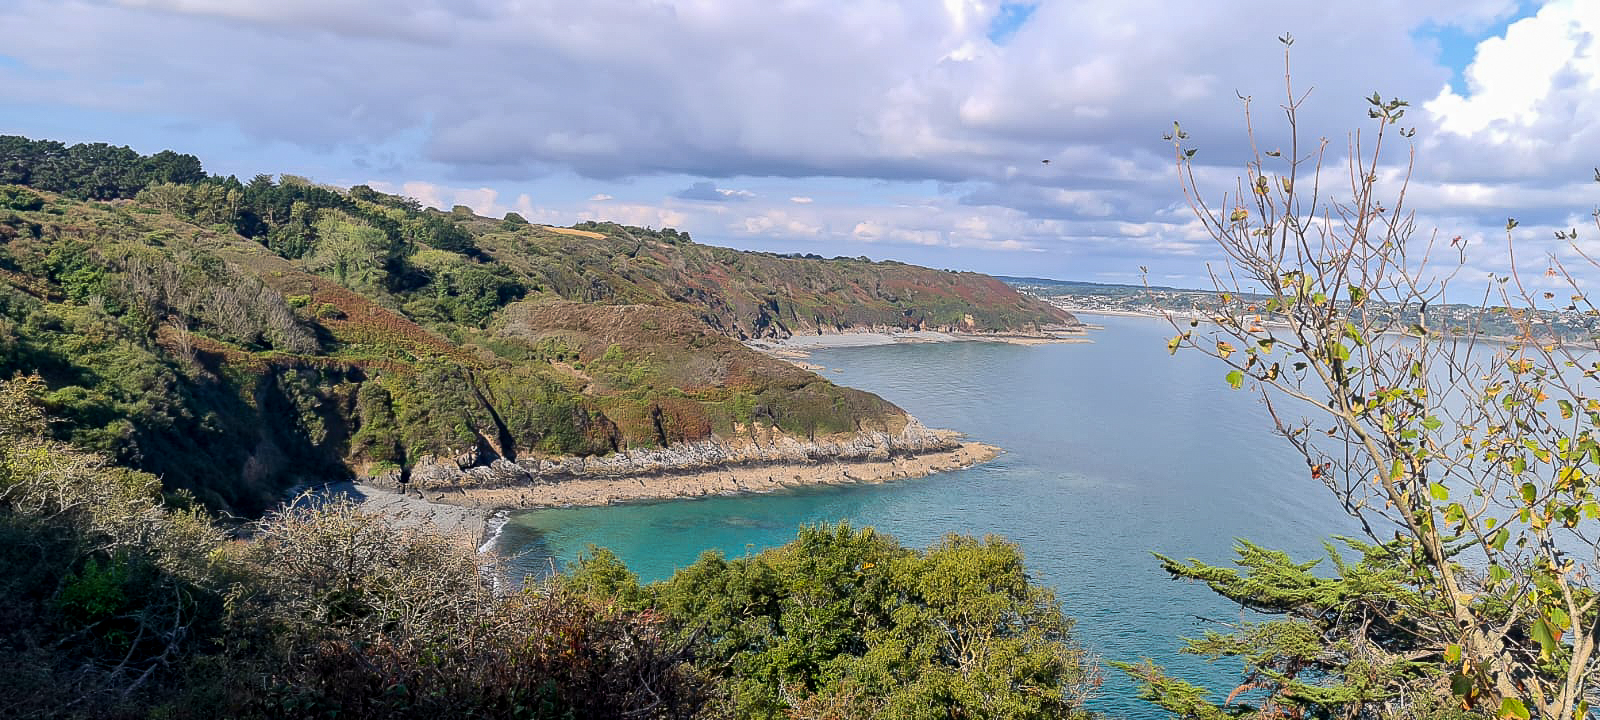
{"points": [[1470, 466]]}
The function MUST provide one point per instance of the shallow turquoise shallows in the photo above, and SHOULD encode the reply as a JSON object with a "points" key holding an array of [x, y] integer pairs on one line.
{"points": [[1113, 450]]}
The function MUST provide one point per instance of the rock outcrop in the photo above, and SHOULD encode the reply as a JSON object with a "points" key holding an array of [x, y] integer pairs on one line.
{"points": [[474, 470]]}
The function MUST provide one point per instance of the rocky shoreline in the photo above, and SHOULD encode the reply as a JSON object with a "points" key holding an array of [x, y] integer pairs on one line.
{"points": [[758, 462], [728, 480]]}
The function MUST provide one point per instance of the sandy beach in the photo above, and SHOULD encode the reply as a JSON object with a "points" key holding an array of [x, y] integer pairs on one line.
{"points": [[667, 486], [409, 510]]}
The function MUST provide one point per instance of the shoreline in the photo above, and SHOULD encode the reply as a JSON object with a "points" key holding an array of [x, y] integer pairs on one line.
{"points": [[796, 349], [728, 480], [476, 514]]}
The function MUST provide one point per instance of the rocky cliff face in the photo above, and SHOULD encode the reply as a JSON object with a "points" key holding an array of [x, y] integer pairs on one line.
{"points": [[760, 447]]}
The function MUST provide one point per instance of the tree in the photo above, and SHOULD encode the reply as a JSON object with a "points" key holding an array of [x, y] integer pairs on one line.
{"points": [[846, 623], [1470, 465], [353, 252]]}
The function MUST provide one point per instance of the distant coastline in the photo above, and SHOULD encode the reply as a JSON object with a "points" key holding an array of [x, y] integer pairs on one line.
{"points": [[1163, 315], [1116, 313]]}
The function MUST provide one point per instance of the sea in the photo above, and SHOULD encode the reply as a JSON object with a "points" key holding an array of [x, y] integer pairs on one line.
{"points": [[1113, 450]]}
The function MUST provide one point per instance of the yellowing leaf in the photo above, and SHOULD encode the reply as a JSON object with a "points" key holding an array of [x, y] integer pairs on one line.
{"points": [[1546, 640], [1512, 708]]}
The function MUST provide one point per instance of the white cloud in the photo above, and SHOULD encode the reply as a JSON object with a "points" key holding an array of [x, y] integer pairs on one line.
{"points": [[779, 224], [633, 214], [1544, 63], [707, 191], [726, 95]]}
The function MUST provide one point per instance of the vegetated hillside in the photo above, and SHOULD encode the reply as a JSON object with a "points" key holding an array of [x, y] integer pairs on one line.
{"points": [[120, 606], [760, 295], [237, 338]]}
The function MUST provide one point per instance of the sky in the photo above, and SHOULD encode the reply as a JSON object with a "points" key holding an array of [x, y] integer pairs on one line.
{"points": [[912, 130]]}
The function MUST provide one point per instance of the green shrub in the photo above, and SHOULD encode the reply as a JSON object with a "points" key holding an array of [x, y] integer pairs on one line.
{"points": [[16, 198]]}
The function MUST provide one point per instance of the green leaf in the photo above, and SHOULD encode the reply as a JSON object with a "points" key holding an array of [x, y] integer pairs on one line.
{"points": [[1452, 655], [1235, 379], [1513, 708], [1172, 345], [1460, 685], [1354, 334], [1431, 423], [1546, 640], [1439, 492]]}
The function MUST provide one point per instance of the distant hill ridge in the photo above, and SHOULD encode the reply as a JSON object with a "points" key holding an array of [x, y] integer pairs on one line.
{"points": [[238, 337]]}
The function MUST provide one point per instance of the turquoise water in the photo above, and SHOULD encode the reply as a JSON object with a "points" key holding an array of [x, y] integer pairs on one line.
{"points": [[1113, 450]]}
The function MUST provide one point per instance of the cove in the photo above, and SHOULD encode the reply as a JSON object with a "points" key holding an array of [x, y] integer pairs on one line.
{"points": [[1113, 450]]}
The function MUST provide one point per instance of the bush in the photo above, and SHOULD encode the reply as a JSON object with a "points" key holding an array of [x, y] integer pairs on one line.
{"points": [[16, 198], [107, 593], [361, 620]]}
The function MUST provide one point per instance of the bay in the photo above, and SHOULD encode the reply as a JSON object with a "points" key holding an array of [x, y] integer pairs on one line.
{"points": [[1113, 450]]}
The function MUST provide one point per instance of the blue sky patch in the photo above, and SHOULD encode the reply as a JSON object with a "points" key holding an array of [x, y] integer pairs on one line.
{"points": [[1009, 20], [1457, 46]]}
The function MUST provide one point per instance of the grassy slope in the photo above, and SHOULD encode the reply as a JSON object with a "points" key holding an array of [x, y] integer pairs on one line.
{"points": [[622, 340]]}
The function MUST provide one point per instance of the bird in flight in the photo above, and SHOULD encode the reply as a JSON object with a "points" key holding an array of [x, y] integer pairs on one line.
{"points": [[1045, 161]]}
